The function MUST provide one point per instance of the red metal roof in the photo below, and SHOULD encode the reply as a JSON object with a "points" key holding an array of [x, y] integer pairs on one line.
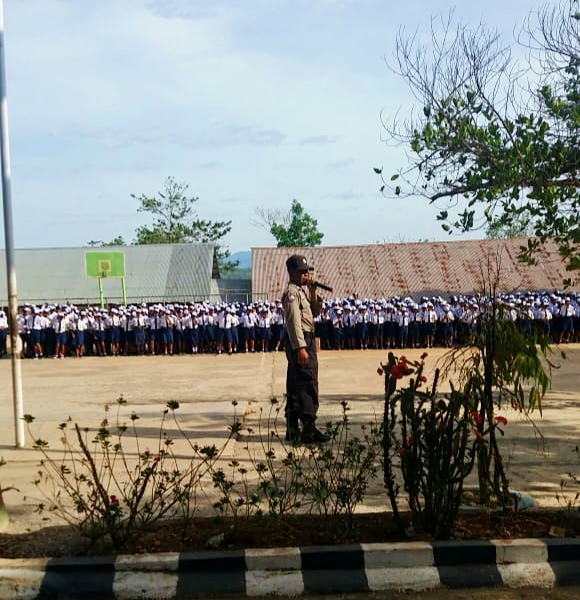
{"points": [[413, 269]]}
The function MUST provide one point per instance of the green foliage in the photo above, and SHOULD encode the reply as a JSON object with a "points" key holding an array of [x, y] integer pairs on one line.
{"points": [[569, 494], [175, 221], [501, 365], [113, 489], [337, 473], [480, 153], [117, 241], [330, 479], [430, 437], [297, 229], [513, 227]]}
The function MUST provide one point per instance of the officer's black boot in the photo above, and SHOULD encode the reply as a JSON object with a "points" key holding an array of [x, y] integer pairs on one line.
{"points": [[292, 428], [311, 435]]}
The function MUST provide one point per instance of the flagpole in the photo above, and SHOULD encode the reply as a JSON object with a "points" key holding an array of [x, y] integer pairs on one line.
{"points": [[9, 243]]}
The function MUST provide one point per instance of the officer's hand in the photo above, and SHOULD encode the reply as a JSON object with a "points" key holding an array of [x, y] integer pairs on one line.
{"points": [[302, 356]]}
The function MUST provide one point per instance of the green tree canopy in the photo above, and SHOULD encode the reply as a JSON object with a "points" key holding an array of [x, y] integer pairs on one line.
{"points": [[294, 229], [491, 136], [117, 241], [514, 227], [175, 221]]}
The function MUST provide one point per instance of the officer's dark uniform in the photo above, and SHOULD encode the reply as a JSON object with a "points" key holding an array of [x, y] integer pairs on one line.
{"points": [[301, 380]]}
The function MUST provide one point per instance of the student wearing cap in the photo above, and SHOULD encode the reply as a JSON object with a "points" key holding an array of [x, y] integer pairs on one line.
{"points": [[447, 319], [362, 327], [82, 325], [235, 330], [139, 324], [567, 313], [49, 335], [278, 327], [36, 327], [349, 327], [301, 304], [99, 333], [337, 329], [249, 322], [153, 329], [114, 331], [3, 333], [264, 329], [403, 321]]}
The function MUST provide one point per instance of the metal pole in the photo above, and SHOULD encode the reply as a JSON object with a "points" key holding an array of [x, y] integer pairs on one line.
{"points": [[9, 242], [101, 295], [124, 291]]}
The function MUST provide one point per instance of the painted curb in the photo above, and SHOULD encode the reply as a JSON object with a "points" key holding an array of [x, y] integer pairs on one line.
{"points": [[413, 566]]}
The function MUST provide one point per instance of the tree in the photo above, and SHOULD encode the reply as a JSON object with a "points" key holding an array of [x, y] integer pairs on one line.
{"points": [[489, 140], [117, 241], [516, 227], [175, 221], [294, 229]]}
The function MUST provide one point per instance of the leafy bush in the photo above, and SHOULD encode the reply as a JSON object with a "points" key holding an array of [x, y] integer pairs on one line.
{"points": [[430, 437], [337, 474], [330, 479], [112, 492]]}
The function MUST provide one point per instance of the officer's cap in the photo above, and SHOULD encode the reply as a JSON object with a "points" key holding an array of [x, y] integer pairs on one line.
{"points": [[297, 262]]}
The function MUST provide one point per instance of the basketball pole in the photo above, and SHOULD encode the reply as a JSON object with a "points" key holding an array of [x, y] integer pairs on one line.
{"points": [[9, 243], [101, 295]]}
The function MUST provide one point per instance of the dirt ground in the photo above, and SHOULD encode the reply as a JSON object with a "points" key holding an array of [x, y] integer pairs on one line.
{"points": [[206, 386]]}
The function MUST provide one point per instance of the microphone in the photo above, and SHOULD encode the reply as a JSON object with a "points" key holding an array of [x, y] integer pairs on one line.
{"points": [[322, 286]]}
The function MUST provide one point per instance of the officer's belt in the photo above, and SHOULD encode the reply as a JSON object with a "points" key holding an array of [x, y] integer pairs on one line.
{"points": [[308, 335]]}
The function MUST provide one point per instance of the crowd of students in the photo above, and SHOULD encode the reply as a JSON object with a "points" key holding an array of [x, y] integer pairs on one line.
{"points": [[352, 323]]}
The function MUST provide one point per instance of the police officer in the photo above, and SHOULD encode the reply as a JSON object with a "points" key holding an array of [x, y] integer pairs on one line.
{"points": [[301, 304]]}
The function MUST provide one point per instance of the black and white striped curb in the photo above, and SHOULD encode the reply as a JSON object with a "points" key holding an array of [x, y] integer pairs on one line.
{"points": [[296, 571]]}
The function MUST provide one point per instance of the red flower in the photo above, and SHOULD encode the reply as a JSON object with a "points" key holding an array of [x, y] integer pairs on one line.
{"points": [[477, 418], [501, 420], [402, 452], [410, 440], [423, 379], [397, 371], [380, 371], [424, 355], [114, 501], [157, 459], [403, 359]]}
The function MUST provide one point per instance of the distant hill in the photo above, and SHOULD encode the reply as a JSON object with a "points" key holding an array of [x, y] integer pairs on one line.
{"points": [[244, 259]]}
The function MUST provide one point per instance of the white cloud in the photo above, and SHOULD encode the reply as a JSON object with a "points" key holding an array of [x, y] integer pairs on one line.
{"points": [[252, 102]]}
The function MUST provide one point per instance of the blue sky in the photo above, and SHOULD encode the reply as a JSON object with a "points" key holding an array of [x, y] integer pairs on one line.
{"points": [[250, 102]]}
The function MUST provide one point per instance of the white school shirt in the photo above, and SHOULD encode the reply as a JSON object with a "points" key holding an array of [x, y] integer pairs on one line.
{"points": [[61, 325], [22, 324], [430, 316], [98, 324], [35, 322], [264, 322], [544, 314], [510, 314], [71, 322], [447, 317], [403, 319], [567, 311]]}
